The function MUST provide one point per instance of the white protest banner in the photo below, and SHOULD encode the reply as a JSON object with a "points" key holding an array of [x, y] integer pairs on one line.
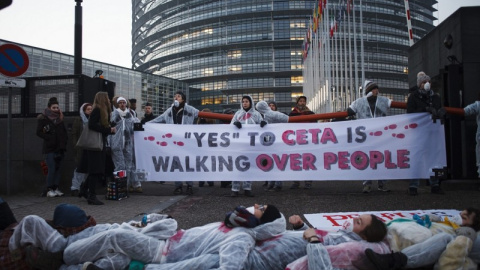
{"points": [[396, 147], [333, 221]]}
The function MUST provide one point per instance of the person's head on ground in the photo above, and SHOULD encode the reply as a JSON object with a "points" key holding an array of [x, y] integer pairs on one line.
{"points": [[247, 103], [133, 104], [301, 102], [70, 219], [148, 108], [273, 105], [369, 227], [471, 218], [370, 87], [252, 216]]}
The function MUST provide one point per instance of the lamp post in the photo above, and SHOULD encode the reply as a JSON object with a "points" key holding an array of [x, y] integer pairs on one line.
{"points": [[77, 60]]}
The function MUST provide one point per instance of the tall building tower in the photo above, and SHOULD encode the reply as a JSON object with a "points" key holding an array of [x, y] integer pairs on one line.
{"points": [[226, 49]]}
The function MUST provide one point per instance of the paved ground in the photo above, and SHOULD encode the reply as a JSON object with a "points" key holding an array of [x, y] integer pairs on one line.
{"points": [[209, 204]]}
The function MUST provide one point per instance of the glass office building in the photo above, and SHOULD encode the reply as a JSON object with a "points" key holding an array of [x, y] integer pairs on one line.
{"points": [[144, 87], [229, 48]]}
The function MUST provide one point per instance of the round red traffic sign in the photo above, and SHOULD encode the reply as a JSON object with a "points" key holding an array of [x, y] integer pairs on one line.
{"points": [[13, 60]]}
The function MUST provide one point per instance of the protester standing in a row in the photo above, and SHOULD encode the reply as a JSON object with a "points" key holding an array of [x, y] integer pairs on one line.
{"points": [[93, 162], [51, 129], [474, 109], [78, 124], [148, 116], [372, 105], [180, 113], [121, 142], [301, 109]]}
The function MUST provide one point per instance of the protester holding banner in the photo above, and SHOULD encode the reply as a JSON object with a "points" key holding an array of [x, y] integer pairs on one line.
{"points": [[93, 162], [301, 109], [78, 124], [474, 109], [271, 116], [180, 113], [423, 99], [51, 128], [370, 106], [121, 143], [247, 115]]}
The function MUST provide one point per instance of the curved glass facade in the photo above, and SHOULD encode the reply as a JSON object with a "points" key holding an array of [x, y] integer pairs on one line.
{"points": [[228, 48]]}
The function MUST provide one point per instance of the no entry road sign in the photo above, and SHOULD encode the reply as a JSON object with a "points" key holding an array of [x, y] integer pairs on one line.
{"points": [[13, 60]]}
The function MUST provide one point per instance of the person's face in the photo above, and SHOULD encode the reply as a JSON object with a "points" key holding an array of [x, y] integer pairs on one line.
{"points": [[148, 109], [272, 106], [375, 92], [245, 103], [122, 105], [55, 107], [302, 102], [88, 110], [259, 210], [178, 98], [467, 220], [361, 222], [133, 106]]}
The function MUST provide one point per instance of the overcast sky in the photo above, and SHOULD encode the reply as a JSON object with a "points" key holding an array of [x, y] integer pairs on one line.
{"points": [[49, 24]]}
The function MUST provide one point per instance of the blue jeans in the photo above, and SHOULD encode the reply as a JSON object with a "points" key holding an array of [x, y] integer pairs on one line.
{"points": [[54, 163], [415, 183], [180, 183]]}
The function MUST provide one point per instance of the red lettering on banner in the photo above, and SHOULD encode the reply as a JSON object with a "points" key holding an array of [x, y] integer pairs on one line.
{"points": [[343, 160], [334, 218], [361, 160], [298, 162], [328, 135], [301, 136], [280, 162], [285, 138], [402, 158], [388, 160], [295, 162]]}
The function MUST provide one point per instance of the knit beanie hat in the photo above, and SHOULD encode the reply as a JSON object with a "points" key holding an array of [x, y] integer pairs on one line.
{"points": [[422, 77], [369, 86], [184, 97], [68, 215], [298, 98], [270, 214]]}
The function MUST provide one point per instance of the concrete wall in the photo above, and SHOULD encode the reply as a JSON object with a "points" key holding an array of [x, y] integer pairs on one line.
{"points": [[26, 155]]}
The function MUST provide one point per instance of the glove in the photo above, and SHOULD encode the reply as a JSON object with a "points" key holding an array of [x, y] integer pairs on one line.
{"points": [[467, 232], [423, 220], [241, 217], [263, 123], [237, 124]]}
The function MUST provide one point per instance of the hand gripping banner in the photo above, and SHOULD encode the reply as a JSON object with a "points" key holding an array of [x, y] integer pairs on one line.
{"points": [[405, 146]]}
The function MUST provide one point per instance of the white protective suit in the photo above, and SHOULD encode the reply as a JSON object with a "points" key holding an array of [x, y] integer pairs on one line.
{"points": [[36, 231], [232, 246], [339, 250], [189, 115], [122, 146], [270, 116], [362, 108], [474, 109]]}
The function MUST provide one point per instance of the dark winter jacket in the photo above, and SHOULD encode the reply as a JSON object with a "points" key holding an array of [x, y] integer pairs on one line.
{"points": [[419, 103], [54, 135]]}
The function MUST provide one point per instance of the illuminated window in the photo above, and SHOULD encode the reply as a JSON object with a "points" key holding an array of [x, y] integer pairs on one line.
{"points": [[218, 100], [296, 80], [235, 54], [297, 52], [297, 24], [208, 31], [207, 101], [296, 67], [207, 71], [219, 85], [235, 68]]}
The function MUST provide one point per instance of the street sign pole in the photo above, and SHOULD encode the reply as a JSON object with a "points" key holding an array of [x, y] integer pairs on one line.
{"points": [[9, 140]]}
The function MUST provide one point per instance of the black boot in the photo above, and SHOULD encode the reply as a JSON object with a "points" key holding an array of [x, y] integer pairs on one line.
{"points": [[92, 199], [83, 190], [394, 260]]}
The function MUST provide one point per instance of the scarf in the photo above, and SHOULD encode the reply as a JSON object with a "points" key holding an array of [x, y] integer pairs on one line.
{"points": [[122, 113], [55, 117]]}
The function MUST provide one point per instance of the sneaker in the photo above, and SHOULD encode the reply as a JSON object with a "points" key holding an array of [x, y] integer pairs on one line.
{"points": [[436, 190], [383, 188], [131, 189], [412, 191], [367, 188], [295, 186], [39, 259], [58, 192], [51, 194], [189, 190], [248, 193], [138, 190], [307, 186], [178, 191]]}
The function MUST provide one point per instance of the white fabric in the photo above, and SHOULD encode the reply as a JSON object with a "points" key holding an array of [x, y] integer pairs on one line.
{"points": [[189, 115], [247, 117], [362, 108], [474, 109], [396, 147], [271, 116]]}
